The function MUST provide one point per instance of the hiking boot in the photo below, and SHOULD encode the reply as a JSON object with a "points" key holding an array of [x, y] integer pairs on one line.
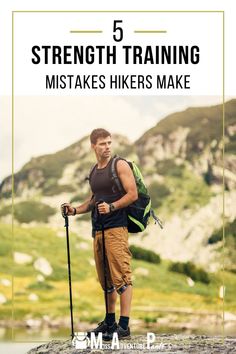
{"points": [[122, 333], [102, 327]]}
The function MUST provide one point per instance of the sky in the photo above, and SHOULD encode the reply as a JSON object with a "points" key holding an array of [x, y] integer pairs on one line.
{"points": [[47, 124], [44, 125]]}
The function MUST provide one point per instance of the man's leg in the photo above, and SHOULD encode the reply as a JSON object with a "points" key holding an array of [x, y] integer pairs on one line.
{"points": [[125, 306], [119, 260], [112, 302], [111, 297], [109, 319], [122, 329], [125, 301]]}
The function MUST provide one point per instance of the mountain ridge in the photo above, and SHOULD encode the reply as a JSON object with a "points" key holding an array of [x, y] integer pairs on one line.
{"points": [[181, 158]]}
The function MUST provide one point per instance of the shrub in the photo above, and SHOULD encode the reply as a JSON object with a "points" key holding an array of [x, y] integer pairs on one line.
{"points": [[168, 167], [188, 268], [56, 189], [59, 273], [84, 217], [230, 231], [158, 193], [5, 249], [144, 254], [6, 194], [208, 175], [28, 211], [216, 237], [40, 286], [149, 319]]}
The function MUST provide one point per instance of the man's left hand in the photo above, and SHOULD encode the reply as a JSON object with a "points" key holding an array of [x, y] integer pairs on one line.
{"points": [[103, 208]]}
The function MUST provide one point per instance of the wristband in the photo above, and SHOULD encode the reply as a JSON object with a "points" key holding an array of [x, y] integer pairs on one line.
{"points": [[74, 213]]}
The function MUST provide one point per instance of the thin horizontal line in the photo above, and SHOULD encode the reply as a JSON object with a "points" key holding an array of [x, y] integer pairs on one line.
{"points": [[134, 11], [92, 31], [149, 31]]}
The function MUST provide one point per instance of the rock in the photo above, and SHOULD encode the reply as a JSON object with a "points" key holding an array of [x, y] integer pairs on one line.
{"points": [[166, 343], [61, 234], [141, 271], [5, 282], [22, 258], [3, 299], [230, 317], [82, 246], [91, 262], [33, 297], [42, 265], [40, 278], [33, 323], [184, 237], [190, 282], [222, 292], [46, 319], [68, 174]]}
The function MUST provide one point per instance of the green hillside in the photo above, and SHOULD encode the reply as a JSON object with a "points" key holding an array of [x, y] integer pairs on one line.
{"points": [[181, 161], [157, 288]]}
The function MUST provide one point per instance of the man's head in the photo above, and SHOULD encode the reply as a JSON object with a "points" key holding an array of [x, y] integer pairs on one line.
{"points": [[101, 143]]}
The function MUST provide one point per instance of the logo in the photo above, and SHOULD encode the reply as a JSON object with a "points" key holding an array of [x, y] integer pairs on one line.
{"points": [[80, 340]]}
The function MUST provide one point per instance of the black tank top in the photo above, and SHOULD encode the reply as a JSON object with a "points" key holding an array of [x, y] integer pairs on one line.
{"points": [[104, 189]]}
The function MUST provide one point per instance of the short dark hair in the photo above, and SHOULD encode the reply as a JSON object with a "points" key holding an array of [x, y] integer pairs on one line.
{"points": [[98, 133]]}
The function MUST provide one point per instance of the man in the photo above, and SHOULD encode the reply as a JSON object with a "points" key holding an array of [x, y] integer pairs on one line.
{"points": [[108, 207]]}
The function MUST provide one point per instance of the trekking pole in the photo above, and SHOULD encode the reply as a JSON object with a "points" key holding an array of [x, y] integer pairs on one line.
{"points": [[104, 258], [65, 216]]}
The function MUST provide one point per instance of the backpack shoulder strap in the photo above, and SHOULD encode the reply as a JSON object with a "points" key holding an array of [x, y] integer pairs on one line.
{"points": [[114, 174], [88, 178]]}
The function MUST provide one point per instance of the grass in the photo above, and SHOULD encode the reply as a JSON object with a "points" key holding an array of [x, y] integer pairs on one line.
{"points": [[189, 192], [160, 289]]}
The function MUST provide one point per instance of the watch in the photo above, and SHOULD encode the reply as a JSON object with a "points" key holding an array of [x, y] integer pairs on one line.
{"points": [[111, 207]]}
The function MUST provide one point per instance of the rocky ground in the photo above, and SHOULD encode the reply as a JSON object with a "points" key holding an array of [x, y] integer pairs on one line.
{"points": [[166, 343]]}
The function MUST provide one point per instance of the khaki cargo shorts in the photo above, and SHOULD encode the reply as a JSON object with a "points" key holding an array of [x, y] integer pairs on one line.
{"points": [[118, 257]]}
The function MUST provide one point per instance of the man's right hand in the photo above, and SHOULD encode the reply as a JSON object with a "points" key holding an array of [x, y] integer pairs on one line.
{"points": [[67, 209]]}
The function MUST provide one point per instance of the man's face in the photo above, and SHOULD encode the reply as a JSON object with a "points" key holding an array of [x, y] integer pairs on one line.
{"points": [[102, 147]]}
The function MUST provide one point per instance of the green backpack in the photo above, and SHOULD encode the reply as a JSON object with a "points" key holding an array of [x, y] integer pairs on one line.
{"points": [[139, 212]]}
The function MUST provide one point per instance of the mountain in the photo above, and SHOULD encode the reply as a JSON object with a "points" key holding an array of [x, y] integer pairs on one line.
{"points": [[53, 174], [194, 136], [182, 161]]}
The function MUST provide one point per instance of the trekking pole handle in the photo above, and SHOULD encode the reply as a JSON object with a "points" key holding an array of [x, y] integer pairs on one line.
{"points": [[100, 215], [65, 216], [100, 202]]}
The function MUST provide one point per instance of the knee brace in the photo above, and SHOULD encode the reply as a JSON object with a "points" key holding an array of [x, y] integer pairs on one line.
{"points": [[110, 290], [122, 289]]}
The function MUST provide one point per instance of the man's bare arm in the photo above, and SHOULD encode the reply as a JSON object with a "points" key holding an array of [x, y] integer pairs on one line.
{"points": [[86, 207], [80, 209], [128, 182]]}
